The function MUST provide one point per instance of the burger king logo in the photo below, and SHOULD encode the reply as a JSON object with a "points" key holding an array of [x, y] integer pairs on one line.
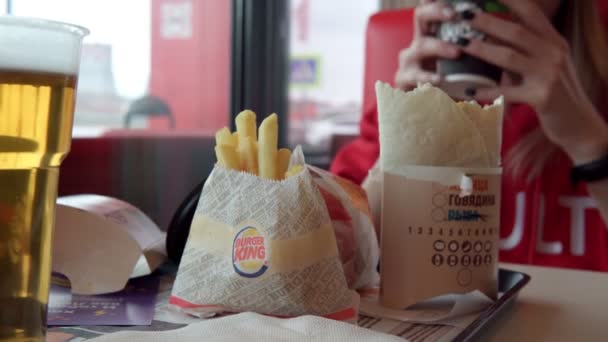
{"points": [[249, 253]]}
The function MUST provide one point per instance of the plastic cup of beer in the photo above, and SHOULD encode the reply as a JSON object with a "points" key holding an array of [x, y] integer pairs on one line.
{"points": [[39, 63]]}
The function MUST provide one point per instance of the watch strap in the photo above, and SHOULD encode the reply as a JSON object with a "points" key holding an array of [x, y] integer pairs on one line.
{"points": [[594, 171]]}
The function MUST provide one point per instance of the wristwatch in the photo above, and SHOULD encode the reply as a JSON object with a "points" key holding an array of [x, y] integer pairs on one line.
{"points": [[594, 171]]}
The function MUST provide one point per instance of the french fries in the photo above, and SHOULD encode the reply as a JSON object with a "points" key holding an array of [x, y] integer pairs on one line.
{"points": [[283, 157], [224, 137], [245, 124], [227, 156], [267, 147], [248, 155], [294, 170], [254, 151]]}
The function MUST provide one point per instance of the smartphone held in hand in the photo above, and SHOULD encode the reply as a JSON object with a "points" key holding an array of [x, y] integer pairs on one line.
{"points": [[464, 75]]}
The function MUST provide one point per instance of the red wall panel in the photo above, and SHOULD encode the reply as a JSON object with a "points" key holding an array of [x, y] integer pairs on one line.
{"points": [[191, 72]]}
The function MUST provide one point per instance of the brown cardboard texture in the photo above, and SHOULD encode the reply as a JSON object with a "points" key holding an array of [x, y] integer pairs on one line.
{"points": [[435, 241]]}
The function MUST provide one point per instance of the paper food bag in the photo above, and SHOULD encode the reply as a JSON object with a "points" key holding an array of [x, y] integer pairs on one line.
{"points": [[440, 166], [264, 246], [353, 226]]}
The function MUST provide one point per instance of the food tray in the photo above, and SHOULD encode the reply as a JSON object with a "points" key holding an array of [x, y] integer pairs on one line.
{"points": [[510, 284]]}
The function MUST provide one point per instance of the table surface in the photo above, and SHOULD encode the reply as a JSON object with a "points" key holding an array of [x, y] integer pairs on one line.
{"points": [[557, 305]]}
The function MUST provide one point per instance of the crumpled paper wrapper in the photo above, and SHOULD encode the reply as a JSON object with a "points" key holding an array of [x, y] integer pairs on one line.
{"points": [[100, 242], [299, 271]]}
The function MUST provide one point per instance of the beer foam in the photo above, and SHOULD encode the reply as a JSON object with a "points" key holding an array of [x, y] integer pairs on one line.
{"points": [[40, 45]]}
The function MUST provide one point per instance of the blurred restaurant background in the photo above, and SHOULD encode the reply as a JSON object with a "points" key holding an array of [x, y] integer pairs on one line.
{"points": [[160, 77]]}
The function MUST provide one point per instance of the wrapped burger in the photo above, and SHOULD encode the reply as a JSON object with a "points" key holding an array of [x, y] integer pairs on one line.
{"points": [[440, 199]]}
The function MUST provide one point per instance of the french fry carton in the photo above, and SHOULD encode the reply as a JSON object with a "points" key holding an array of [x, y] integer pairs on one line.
{"points": [[264, 246]]}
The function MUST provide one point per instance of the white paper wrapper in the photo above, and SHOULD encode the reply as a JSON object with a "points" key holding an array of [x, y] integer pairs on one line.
{"points": [[263, 246], [426, 127]]}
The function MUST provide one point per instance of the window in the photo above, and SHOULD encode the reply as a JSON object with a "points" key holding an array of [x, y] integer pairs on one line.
{"points": [[154, 64], [159, 77], [154, 86], [326, 69]]}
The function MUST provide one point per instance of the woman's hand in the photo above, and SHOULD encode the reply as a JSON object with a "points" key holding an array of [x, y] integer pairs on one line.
{"points": [[546, 79], [417, 62]]}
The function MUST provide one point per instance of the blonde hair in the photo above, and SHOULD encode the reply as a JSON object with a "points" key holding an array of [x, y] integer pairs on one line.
{"points": [[580, 24]]}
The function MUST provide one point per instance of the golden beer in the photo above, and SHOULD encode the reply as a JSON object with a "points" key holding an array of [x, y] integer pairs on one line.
{"points": [[36, 114]]}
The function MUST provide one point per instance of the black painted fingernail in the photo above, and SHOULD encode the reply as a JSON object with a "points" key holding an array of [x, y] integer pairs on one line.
{"points": [[463, 41], [467, 15], [470, 92]]}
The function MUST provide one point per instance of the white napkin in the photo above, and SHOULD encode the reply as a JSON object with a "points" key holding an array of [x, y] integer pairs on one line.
{"points": [[447, 309], [254, 327]]}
